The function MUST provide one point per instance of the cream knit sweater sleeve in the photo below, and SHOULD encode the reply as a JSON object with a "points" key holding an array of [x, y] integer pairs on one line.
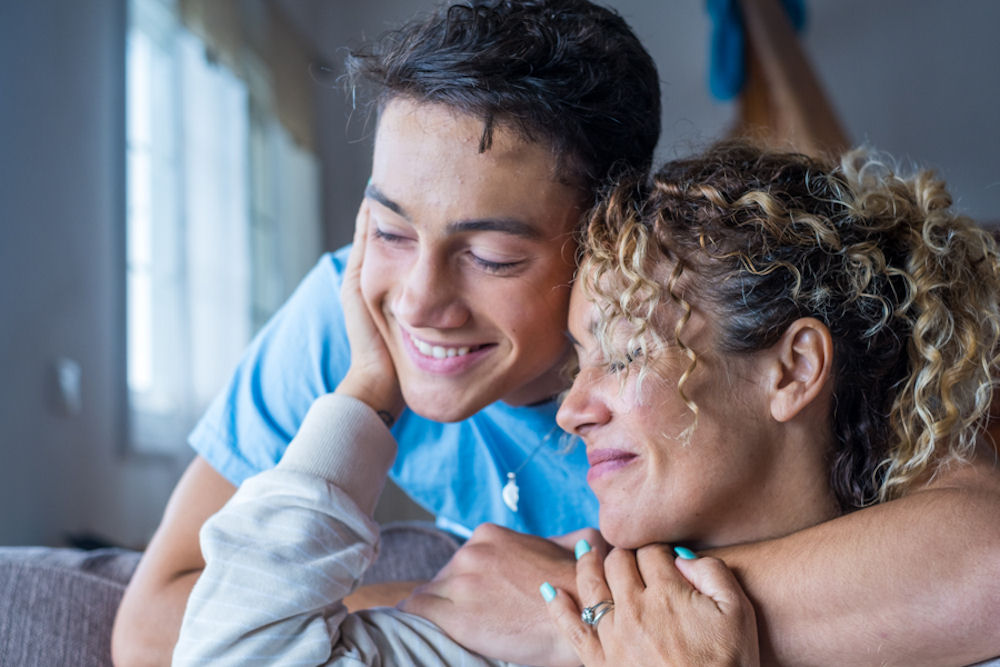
{"points": [[290, 544]]}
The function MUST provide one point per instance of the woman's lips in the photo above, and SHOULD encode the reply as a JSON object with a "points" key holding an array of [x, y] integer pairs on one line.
{"points": [[606, 461], [442, 359]]}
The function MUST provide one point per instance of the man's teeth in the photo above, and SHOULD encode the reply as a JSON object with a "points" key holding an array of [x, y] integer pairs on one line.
{"points": [[437, 351]]}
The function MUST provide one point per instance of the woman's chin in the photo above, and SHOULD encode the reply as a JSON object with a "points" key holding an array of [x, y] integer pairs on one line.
{"points": [[624, 534]]}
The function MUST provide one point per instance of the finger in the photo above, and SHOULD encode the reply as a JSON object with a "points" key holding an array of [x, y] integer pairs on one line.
{"points": [[361, 223], [656, 567], [570, 540], [591, 586], [356, 257], [565, 615], [712, 578], [622, 574]]}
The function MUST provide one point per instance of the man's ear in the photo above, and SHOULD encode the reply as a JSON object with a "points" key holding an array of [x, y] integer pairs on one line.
{"points": [[803, 365]]}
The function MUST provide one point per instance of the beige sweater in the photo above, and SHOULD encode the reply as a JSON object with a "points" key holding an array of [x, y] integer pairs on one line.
{"points": [[291, 544]]}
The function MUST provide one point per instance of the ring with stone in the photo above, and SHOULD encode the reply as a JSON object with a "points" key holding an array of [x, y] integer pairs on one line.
{"points": [[593, 614]]}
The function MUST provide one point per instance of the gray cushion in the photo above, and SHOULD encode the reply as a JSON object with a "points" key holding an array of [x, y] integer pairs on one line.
{"points": [[57, 606]]}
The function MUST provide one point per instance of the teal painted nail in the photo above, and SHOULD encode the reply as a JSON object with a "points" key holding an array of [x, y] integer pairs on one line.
{"points": [[684, 553], [547, 592], [582, 547]]}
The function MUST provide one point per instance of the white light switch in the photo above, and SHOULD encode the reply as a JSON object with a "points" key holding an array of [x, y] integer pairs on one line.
{"points": [[68, 377]]}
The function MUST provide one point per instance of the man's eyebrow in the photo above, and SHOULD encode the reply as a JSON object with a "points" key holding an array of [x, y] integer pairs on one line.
{"points": [[372, 192], [510, 226], [572, 339]]}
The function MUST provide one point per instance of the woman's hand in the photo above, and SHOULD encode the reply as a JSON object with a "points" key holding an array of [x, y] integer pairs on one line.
{"points": [[666, 611], [372, 376]]}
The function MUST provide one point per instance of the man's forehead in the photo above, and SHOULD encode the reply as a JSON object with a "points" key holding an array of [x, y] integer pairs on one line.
{"points": [[494, 136]]}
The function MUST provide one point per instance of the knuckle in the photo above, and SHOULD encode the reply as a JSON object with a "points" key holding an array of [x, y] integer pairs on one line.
{"points": [[486, 532], [468, 557], [578, 635], [659, 548], [617, 557]]}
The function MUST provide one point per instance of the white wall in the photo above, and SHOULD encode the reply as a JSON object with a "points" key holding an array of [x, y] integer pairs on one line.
{"points": [[917, 77]]}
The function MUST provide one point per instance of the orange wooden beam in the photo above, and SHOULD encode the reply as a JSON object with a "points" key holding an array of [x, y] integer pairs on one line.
{"points": [[783, 101]]}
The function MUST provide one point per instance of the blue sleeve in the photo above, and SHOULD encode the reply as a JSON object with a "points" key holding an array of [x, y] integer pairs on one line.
{"points": [[300, 354]]}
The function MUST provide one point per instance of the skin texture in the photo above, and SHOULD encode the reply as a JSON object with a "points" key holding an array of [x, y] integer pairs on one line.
{"points": [[455, 261], [839, 592], [149, 617], [842, 592], [758, 438], [850, 591], [668, 611], [451, 209], [641, 462]]}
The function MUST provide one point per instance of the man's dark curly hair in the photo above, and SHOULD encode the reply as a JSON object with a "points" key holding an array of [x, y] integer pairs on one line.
{"points": [[565, 72]]}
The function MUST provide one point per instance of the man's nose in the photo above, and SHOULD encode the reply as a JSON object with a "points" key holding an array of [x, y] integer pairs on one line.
{"points": [[430, 295]]}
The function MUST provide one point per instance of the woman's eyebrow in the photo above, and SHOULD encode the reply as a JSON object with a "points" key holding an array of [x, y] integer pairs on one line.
{"points": [[371, 192]]}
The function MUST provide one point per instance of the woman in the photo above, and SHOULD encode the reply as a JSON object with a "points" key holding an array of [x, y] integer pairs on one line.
{"points": [[765, 341], [724, 322]]}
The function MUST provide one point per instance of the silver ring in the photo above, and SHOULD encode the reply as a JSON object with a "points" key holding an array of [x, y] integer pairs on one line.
{"points": [[593, 614]]}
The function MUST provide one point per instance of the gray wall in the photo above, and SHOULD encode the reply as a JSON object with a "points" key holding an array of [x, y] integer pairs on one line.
{"points": [[917, 77], [61, 291]]}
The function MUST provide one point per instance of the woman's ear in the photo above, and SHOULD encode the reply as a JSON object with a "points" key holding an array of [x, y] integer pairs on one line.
{"points": [[803, 365]]}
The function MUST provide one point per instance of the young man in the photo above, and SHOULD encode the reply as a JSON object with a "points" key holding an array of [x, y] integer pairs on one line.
{"points": [[498, 123]]}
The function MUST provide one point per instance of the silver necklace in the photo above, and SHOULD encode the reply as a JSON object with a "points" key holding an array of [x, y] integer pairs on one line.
{"points": [[511, 494]]}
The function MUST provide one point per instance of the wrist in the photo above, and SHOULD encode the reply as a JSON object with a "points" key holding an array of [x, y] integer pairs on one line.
{"points": [[385, 398]]}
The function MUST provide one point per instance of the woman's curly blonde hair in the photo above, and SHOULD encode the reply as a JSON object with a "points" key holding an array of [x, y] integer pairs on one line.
{"points": [[909, 290]]}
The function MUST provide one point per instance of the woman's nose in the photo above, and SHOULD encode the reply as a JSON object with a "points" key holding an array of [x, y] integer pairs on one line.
{"points": [[584, 407]]}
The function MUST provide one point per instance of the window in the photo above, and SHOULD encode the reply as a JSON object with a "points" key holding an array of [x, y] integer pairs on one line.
{"points": [[222, 222]]}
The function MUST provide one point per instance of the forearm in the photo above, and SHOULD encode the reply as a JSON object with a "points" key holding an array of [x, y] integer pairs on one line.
{"points": [[149, 616], [385, 594], [290, 545], [146, 626], [909, 582]]}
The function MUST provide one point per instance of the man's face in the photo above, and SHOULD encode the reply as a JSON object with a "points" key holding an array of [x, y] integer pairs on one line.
{"points": [[469, 260]]}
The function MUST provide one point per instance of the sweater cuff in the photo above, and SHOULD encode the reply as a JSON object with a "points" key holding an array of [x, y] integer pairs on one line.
{"points": [[343, 441]]}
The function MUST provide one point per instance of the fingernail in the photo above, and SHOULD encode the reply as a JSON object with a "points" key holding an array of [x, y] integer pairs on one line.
{"points": [[685, 553], [582, 547], [548, 593]]}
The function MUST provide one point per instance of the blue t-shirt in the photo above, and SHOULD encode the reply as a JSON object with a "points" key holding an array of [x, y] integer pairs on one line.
{"points": [[454, 470]]}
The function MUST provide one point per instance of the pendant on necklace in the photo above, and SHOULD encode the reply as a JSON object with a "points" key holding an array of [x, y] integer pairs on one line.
{"points": [[510, 493]]}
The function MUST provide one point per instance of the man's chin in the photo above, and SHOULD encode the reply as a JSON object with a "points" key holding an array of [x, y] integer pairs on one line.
{"points": [[440, 408]]}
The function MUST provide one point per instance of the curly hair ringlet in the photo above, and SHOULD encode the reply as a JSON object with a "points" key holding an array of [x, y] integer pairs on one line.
{"points": [[909, 290], [566, 72]]}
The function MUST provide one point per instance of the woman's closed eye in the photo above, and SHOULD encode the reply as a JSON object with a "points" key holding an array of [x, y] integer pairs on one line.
{"points": [[619, 365]]}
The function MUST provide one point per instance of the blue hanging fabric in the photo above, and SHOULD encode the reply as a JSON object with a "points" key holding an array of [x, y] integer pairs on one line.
{"points": [[727, 52]]}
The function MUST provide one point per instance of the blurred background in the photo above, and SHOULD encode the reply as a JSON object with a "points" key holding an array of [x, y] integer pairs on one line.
{"points": [[169, 170]]}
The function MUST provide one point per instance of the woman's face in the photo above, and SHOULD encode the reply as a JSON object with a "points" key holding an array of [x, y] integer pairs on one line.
{"points": [[731, 481], [469, 260]]}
